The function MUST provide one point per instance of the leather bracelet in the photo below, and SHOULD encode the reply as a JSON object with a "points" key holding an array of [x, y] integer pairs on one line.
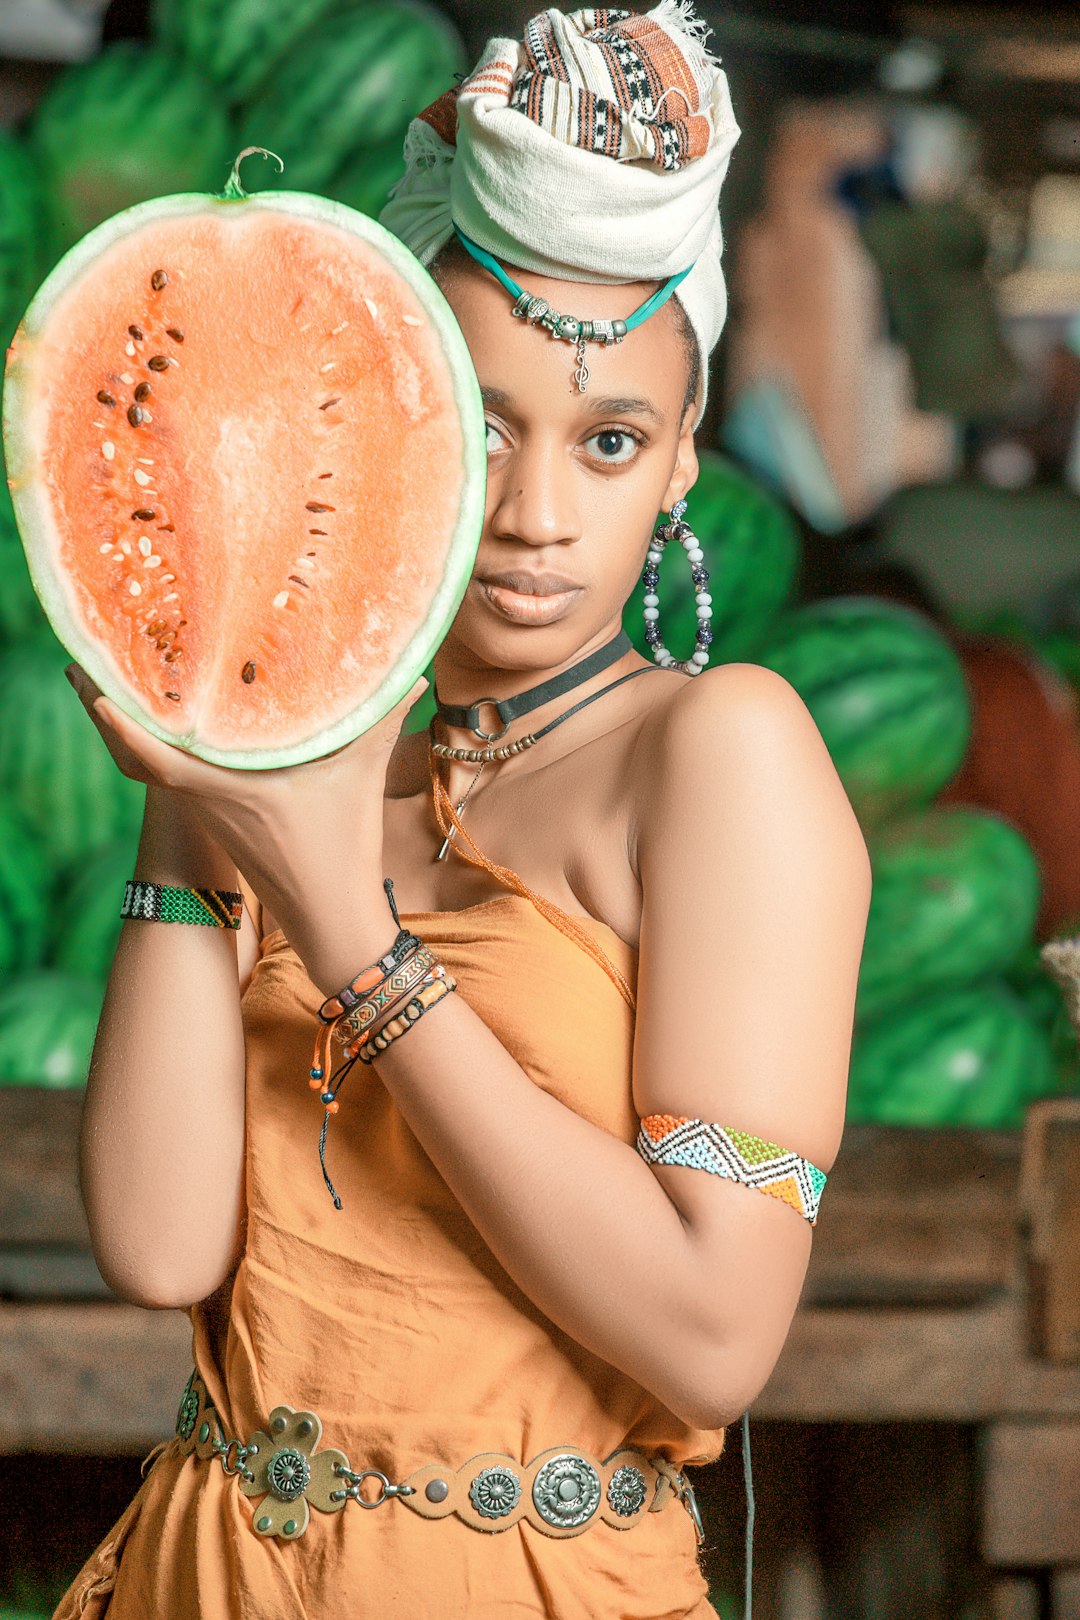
{"points": [[413, 1010]]}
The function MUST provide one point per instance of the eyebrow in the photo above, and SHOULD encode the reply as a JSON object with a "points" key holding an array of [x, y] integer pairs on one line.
{"points": [[612, 405]]}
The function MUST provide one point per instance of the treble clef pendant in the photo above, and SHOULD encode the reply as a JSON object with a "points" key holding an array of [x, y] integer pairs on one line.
{"points": [[581, 370]]}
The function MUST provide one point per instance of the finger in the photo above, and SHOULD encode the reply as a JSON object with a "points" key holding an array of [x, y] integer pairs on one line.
{"points": [[171, 767]]}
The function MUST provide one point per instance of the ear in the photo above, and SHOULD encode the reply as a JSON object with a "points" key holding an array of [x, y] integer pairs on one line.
{"points": [[685, 471]]}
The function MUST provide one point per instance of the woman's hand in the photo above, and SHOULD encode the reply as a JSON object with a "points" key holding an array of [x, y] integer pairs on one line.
{"points": [[304, 836]]}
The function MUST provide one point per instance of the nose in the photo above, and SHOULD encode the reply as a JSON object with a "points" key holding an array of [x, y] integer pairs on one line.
{"points": [[531, 499]]}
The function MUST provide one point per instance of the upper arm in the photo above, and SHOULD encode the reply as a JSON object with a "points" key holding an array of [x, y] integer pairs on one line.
{"points": [[755, 891]]}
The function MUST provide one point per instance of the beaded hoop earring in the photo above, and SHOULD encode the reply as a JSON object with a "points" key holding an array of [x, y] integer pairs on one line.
{"points": [[676, 529]]}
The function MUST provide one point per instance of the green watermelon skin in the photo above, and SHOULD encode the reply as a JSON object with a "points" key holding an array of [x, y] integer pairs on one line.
{"points": [[365, 181], [955, 896], [25, 888], [88, 920], [54, 767], [236, 44], [132, 123], [887, 693], [48, 1022], [752, 554], [355, 81], [22, 231], [969, 1056]]}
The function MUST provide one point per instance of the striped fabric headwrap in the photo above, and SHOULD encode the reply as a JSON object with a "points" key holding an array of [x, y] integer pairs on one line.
{"points": [[593, 149]]}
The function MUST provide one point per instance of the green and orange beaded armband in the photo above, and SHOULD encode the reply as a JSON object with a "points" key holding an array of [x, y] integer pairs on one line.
{"points": [[159, 902], [765, 1166]]}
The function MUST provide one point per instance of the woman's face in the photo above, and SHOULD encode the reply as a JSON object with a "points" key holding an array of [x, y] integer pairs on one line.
{"points": [[575, 481]]}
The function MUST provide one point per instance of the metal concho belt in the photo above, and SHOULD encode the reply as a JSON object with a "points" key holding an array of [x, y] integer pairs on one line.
{"points": [[561, 1492]]}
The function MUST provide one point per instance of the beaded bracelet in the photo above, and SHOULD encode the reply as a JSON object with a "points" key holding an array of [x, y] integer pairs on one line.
{"points": [[399, 983], [160, 902], [765, 1166], [429, 996]]}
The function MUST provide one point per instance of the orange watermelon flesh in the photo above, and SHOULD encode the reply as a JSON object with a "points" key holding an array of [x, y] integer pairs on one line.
{"points": [[262, 566]]}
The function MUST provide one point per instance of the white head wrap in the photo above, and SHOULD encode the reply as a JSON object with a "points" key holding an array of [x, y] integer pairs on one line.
{"points": [[594, 150]]}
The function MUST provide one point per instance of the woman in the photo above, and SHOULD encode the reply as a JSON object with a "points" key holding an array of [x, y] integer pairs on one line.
{"points": [[517, 1309]]}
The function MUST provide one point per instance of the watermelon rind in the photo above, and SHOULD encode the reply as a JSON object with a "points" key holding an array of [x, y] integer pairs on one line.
{"points": [[32, 509]]}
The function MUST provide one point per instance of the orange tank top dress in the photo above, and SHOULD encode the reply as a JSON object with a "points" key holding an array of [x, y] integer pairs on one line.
{"points": [[392, 1320]]}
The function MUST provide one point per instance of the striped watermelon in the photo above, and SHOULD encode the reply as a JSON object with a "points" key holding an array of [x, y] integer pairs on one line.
{"points": [[353, 82], [88, 920], [235, 44], [364, 183], [968, 1055], [48, 1022], [22, 227], [132, 123], [886, 691], [751, 547], [54, 767], [955, 895], [25, 882]]}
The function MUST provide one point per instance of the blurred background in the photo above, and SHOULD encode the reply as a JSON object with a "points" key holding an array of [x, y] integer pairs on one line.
{"points": [[889, 503]]}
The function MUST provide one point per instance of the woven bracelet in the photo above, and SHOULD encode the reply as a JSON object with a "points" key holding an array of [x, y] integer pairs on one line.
{"points": [[704, 1145], [158, 902]]}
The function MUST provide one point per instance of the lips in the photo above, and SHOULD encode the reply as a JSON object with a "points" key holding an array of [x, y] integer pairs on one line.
{"points": [[531, 584]]}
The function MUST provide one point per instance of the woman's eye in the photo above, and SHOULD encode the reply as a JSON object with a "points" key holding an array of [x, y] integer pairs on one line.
{"points": [[494, 438], [616, 445]]}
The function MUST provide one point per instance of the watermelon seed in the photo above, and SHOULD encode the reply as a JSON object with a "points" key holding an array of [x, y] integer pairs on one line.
{"points": [[105, 397], [175, 333], [126, 377], [174, 695], [281, 598], [318, 506], [305, 562], [171, 657], [147, 461], [158, 280], [125, 547], [311, 554], [147, 417], [143, 391], [329, 366], [156, 628], [135, 588], [173, 596], [152, 562], [158, 362], [326, 404], [108, 449], [412, 320], [136, 332], [141, 477], [372, 308], [143, 514], [247, 674], [318, 531], [135, 414], [296, 580], [326, 475], [145, 547], [170, 528], [129, 348], [105, 546]]}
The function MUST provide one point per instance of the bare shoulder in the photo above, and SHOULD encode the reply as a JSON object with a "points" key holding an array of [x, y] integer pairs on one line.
{"points": [[739, 730]]}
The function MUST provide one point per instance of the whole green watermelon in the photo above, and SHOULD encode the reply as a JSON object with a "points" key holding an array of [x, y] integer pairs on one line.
{"points": [[235, 44], [969, 1055], [955, 895], [132, 123], [22, 231], [354, 81], [48, 1021], [88, 921], [25, 892], [364, 183], [54, 767], [751, 547], [886, 691]]}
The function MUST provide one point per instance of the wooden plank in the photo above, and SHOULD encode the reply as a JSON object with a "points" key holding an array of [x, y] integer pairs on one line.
{"points": [[39, 1196], [968, 1365], [90, 1378], [1015, 1597], [1031, 1493], [1065, 1594], [47, 1271], [1049, 1204]]}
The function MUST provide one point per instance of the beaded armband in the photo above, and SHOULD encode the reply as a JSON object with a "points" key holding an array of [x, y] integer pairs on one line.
{"points": [[158, 902], [766, 1166]]}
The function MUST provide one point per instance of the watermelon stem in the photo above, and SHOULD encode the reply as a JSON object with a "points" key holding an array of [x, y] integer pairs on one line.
{"points": [[233, 188]]}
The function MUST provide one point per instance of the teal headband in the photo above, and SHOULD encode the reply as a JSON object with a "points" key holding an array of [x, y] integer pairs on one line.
{"points": [[539, 312]]}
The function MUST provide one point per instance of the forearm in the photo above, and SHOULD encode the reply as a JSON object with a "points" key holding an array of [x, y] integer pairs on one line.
{"points": [[573, 1214], [161, 1142]]}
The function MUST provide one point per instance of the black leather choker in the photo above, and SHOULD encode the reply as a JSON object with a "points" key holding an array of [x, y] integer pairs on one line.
{"points": [[508, 709]]}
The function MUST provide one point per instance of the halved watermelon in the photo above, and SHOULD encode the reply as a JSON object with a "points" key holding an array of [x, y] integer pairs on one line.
{"points": [[246, 452]]}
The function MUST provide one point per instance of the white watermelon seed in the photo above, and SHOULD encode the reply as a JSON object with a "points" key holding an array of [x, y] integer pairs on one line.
{"points": [[126, 377], [129, 348], [329, 366], [146, 415], [173, 596], [152, 562], [304, 562], [108, 449], [412, 320], [281, 598], [107, 546], [372, 310], [146, 460], [145, 547], [125, 547], [135, 588], [141, 477]]}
